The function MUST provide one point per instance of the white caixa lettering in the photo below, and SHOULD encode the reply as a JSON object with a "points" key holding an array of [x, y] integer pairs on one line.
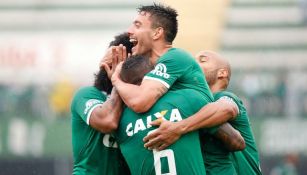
{"points": [[143, 124]]}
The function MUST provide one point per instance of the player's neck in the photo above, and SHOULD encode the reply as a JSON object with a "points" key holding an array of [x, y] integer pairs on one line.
{"points": [[218, 86], [158, 51]]}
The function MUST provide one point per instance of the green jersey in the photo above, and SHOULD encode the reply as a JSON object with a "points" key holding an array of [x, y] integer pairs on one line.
{"points": [[220, 161], [93, 152], [183, 157], [246, 161], [177, 69], [216, 156]]}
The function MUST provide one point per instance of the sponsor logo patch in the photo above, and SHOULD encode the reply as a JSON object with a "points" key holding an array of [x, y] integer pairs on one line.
{"points": [[160, 70], [90, 103]]}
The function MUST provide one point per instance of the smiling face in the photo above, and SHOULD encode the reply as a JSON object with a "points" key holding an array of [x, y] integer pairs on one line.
{"points": [[141, 33]]}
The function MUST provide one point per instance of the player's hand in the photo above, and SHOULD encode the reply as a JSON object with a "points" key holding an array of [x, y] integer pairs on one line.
{"points": [[120, 51], [118, 54], [167, 134], [106, 59], [116, 73], [110, 69], [107, 68]]}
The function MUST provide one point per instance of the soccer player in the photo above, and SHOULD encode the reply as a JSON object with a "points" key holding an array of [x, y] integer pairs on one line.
{"points": [[94, 115], [246, 162], [152, 33], [173, 106], [218, 160], [183, 157]]}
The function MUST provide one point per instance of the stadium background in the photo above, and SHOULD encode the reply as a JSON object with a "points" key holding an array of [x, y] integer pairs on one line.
{"points": [[50, 48]]}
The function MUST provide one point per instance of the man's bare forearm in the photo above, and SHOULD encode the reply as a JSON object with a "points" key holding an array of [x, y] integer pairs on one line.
{"points": [[115, 106], [130, 94], [231, 138], [105, 118], [210, 115], [139, 98]]}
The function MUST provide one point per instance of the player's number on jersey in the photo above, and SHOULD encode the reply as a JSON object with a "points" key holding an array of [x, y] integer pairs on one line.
{"points": [[169, 154]]}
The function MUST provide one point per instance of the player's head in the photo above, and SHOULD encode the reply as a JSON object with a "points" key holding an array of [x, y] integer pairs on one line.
{"points": [[134, 69], [102, 82], [216, 68], [154, 23]]}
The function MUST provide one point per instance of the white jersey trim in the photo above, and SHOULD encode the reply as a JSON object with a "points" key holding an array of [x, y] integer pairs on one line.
{"points": [[157, 79], [90, 112], [230, 100]]}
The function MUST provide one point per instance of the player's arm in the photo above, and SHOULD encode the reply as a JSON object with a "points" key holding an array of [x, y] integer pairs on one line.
{"points": [[210, 115], [232, 139], [105, 117], [140, 98], [213, 114]]}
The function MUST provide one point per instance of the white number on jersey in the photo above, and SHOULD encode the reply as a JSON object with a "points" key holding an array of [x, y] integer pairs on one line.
{"points": [[169, 154]]}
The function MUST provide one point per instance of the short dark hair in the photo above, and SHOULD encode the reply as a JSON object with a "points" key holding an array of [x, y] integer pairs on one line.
{"points": [[102, 81], [135, 68], [163, 16]]}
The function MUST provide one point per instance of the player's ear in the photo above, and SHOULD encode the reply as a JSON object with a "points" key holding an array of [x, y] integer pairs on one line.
{"points": [[158, 32], [222, 73]]}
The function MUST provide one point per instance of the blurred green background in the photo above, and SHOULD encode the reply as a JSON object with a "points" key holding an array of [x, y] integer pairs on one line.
{"points": [[50, 48]]}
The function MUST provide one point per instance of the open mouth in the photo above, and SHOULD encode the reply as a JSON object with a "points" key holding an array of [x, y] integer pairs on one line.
{"points": [[134, 42]]}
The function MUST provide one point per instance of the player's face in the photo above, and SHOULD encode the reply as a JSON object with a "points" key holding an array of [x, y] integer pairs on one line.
{"points": [[140, 33], [208, 67], [204, 62]]}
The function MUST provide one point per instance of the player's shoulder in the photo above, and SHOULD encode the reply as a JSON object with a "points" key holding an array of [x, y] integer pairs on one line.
{"points": [[186, 95], [88, 92], [180, 51], [179, 54], [88, 95], [229, 94]]}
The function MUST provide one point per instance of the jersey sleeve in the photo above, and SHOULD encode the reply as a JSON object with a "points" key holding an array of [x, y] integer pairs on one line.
{"points": [[231, 100], [168, 70], [85, 104]]}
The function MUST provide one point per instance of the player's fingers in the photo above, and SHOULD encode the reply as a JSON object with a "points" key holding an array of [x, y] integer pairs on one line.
{"points": [[114, 57], [107, 69], [163, 146], [153, 143], [129, 55], [124, 53], [150, 136], [157, 122], [120, 53], [119, 66]]}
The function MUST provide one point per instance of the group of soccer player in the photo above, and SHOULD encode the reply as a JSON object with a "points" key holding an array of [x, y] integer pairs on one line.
{"points": [[155, 109]]}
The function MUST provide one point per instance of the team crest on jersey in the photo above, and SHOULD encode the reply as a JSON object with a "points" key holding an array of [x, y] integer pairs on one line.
{"points": [[160, 70], [90, 103]]}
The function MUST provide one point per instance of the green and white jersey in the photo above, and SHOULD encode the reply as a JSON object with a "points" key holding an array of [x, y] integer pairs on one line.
{"points": [[183, 157], [216, 156], [177, 69], [218, 160], [246, 162], [93, 152]]}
